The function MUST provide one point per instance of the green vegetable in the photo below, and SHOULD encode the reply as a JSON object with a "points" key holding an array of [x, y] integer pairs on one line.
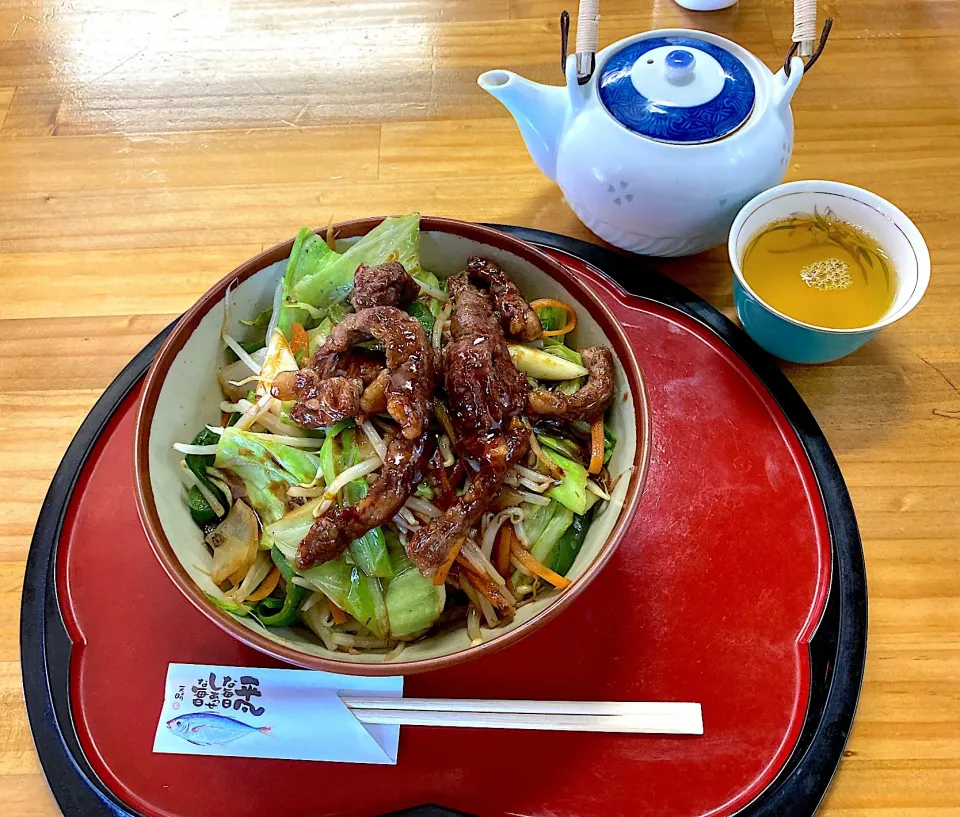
{"points": [[251, 346], [262, 321], [200, 509], [558, 348], [563, 555], [609, 442], [538, 518], [552, 318], [420, 311], [328, 451], [543, 365], [424, 491], [559, 444], [267, 469], [330, 280], [414, 603], [544, 546], [201, 512], [353, 592], [229, 606], [318, 336], [609, 437], [572, 491], [295, 595], [427, 278], [370, 550], [309, 255], [269, 606], [337, 312], [288, 532]]}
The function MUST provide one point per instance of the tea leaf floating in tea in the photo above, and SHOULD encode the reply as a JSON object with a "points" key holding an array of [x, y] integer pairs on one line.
{"points": [[819, 269]]}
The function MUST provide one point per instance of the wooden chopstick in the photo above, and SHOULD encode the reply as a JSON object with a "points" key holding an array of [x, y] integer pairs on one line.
{"points": [[588, 716]]}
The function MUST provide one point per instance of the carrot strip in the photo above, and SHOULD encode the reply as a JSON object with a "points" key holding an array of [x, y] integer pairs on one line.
{"points": [[542, 303], [484, 585], [267, 586], [528, 563], [501, 550], [298, 338], [339, 617], [596, 446], [441, 575]]}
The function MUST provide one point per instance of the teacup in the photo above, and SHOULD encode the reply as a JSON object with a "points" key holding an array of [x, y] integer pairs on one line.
{"points": [[794, 340]]}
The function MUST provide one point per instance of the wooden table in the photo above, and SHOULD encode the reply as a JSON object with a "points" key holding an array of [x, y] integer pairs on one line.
{"points": [[149, 146]]}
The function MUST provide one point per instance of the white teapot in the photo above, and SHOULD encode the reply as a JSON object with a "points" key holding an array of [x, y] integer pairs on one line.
{"points": [[671, 134]]}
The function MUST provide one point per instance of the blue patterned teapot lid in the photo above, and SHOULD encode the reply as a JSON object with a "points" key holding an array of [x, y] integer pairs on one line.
{"points": [[679, 90]]}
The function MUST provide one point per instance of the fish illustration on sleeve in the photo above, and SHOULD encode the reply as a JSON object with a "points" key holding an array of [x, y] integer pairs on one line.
{"points": [[211, 729]]}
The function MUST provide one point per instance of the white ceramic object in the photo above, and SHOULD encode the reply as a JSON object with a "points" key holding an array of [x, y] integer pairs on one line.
{"points": [[705, 5], [694, 152], [801, 342], [181, 394]]}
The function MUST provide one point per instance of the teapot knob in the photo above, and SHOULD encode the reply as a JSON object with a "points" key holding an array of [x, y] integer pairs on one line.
{"points": [[678, 66]]}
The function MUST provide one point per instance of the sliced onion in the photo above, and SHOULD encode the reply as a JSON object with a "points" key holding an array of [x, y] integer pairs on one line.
{"points": [[596, 490], [200, 450], [223, 486]]}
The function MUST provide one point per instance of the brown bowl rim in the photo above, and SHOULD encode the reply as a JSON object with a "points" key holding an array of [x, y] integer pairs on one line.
{"points": [[146, 506]]}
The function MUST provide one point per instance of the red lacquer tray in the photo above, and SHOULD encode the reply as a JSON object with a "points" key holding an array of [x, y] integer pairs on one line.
{"points": [[714, 596]]}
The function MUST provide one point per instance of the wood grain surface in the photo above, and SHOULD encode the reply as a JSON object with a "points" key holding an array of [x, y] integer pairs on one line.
{"points": [[148, 146]]}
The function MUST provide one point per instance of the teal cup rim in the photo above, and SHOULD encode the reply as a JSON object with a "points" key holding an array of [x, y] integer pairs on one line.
{"points": [[897, 218]]}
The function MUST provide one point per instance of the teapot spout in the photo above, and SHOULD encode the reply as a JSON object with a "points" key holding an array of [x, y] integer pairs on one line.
{"points": [[540, 112]]}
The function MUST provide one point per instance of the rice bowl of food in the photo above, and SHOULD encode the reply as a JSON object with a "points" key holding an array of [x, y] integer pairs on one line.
{"points": [[395, 447]]}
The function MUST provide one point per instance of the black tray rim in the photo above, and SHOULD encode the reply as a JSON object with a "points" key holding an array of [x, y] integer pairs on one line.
{"points": [[837, 649]]}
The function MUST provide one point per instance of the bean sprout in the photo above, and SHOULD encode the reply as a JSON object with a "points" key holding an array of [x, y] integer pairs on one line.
{"points": [[374, 437]]}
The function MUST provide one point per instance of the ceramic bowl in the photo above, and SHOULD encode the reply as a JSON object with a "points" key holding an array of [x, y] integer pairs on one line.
{"points": [[180, 395], [800, 342]]}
